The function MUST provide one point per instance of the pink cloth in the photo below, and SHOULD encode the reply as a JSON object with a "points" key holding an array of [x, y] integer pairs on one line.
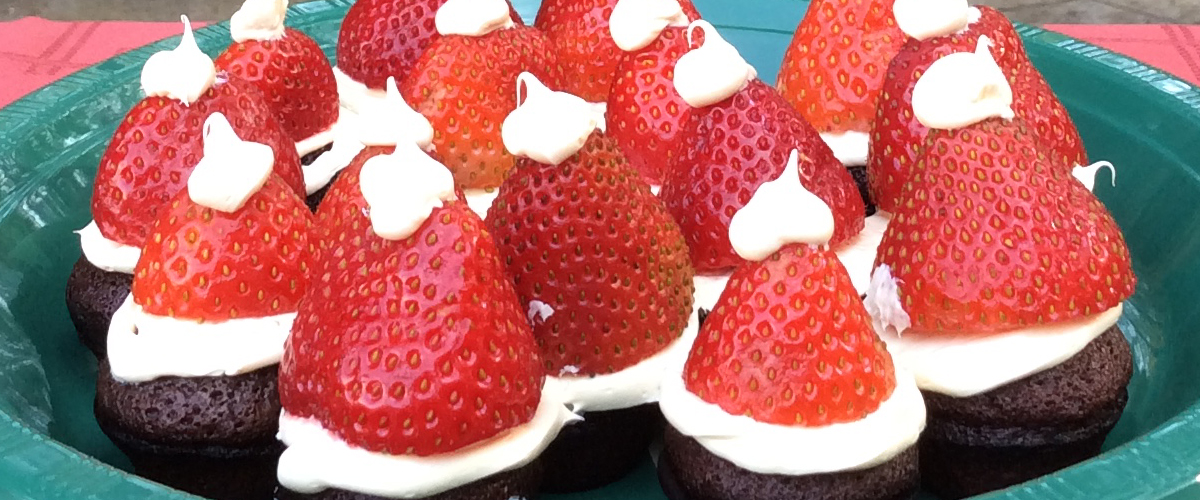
{"points": [[39, 51]]}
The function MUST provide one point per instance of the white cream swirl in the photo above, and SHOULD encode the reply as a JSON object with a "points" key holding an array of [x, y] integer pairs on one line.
{"points": [[713, 72], [925, 19], [634, 24], [106, 254], [401, 190], [258, 20], [757, 230], [963, 365], [316, 459], [549, 126], [1087, 175], [143, 346], [231, 171], [472, 17], [790, 450], [184, 73], [962, 89], [393, 120], [354, 95]]}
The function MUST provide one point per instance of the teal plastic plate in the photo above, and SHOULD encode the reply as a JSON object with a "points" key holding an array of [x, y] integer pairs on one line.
{"points": [[1144, 121]]}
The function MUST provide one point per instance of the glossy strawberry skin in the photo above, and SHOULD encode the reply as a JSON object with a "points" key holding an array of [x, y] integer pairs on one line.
{"points": [[578, 29], [155, 147], [208, 265], [410, 347], [992, 235], [645, 114], [293, 75], [1036, 103], [789, 343], [587, 238], [835, 65], [382, 38], [466, 86], [896, 135], [730, 149]]}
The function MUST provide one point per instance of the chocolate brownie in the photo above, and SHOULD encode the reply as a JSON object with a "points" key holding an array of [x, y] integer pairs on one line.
{"points": [[604, 447], [313, 200], [517, 483], [859, 173], [1028, 428], [93, 295], [688, 471]]}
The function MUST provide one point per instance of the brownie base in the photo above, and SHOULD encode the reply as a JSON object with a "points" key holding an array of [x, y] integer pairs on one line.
{"points": [[93, 295], [688, 471], [210, 436], [1028, 428], [517, 483], [859, 173], [605, 447], [313, 200]]}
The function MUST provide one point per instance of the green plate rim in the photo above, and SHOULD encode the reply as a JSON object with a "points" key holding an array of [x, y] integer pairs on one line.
{"points": [[1164, 459]]}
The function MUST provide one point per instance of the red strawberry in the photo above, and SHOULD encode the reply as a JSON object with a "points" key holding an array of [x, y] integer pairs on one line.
{"points": [[578, 29], [382, 38], [415, 346], [645, 114], [294, 76], [159, 142], [466, 86], [896, 135], [587, 238], [992, 235], [835, 65], [789, 343], [1035, 102], [731, 148], [209, 265]]}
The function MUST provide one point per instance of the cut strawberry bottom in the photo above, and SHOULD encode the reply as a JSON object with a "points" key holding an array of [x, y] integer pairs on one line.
{"points": [[317, 460]]}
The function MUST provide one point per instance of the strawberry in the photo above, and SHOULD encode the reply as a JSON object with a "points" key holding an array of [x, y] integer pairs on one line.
{"points": [[414, 346], [896, 135], [464, 86], [645, 115], [159, 142], [731, 148], [578, 29], [587, 239], [835, 65], [991, 235], [209, 265], [789, 343], [293, 75], [382, 38]]}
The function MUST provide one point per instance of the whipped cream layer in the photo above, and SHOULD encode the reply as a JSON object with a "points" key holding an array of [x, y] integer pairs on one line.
{"points": [[317, 141], [858, 253], [794, 450], [316, 459], [106, 254], [480, 200], [346, 146], [634, 24], [850, 147], [709, 288], [965, 365], [355, 95], [143, 346]]}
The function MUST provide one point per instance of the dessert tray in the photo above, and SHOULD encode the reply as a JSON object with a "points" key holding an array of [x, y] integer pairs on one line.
{"points": [[1142, 120]]}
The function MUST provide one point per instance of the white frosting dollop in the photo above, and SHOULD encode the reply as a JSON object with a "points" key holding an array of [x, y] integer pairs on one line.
{"points": [[858, 253], [258, 20], [708, 290], [1087, 175], [107, 254], [354, 95], [472, 17], [713, 72], [925, 19], [143, 346], [780, 212], [231, 171], [480, 200], [316, 459], [392, 120], [850, 147], [184, 73], [401, 190], [962, 89], [883, 301], [965, 365], [549, 126], [793, 450], [634, 24], [318, 140]]}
